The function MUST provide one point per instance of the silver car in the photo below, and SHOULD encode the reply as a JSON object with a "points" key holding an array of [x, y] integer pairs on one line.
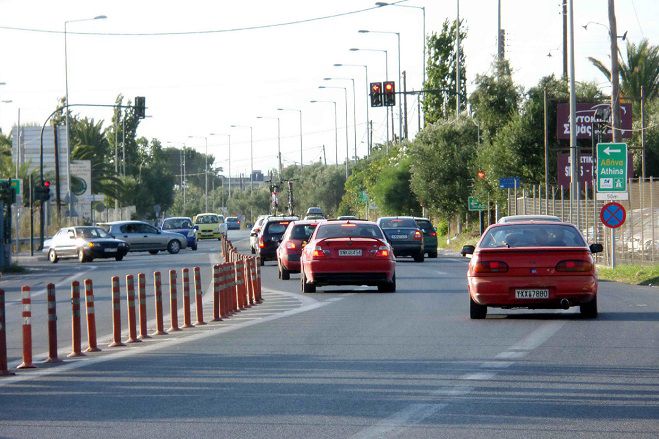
{"points": [[142, 236]]}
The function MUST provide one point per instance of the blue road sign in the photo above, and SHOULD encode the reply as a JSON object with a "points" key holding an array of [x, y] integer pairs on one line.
{"points": [[613, 215], [509, 182]]}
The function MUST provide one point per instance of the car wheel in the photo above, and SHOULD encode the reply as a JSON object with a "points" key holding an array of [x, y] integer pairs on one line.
{"points": [[194, 247], [262, 262], [119, 257], [285, 274], [174, 246], [432, 255], [81, 256], [476, 311], [388, 287], [419, 257], [52, 256], [253, 251], [589, 310], [153, 252], [306, 287]]}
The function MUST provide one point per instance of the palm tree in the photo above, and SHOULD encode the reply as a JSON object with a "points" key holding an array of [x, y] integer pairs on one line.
{"points": [[640, 69]]}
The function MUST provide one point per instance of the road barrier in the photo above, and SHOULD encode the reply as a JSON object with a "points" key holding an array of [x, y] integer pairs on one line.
{"points": [[52, 325], [91, 317], [236, 286]]}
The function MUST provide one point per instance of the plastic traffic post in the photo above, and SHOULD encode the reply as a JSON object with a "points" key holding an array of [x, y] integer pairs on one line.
{"points": [[217, 297], [186, 299], [91, 317], [141, 300], [199, 305], [52, 325], [157, 287], [76, 336], [3, 338], [116, 313], [173, 310], [132, 317]]}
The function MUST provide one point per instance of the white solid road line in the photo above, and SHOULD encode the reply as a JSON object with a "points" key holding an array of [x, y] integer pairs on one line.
{"points": [[411, 415]]}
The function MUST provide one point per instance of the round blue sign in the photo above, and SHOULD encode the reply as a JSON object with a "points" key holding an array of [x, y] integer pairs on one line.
{"points": [[613, 215]]}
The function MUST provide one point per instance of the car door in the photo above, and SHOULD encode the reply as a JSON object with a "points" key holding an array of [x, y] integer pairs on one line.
{"points": [[130, 234], [152, 238], [65, 242]]}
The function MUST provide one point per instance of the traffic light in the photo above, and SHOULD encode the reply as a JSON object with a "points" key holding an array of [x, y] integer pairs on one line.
{"points": [[481, 174], [140, 107], [42, 191], [376, 94], [389, 93]]}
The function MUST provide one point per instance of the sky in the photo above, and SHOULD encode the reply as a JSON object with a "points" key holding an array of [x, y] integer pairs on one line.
{"points": [[263, 55]]}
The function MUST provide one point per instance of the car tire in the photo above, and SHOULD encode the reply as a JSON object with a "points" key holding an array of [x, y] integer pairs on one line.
{"points": [[419, 257], [81, 256], [589, 310], [153, 252], [432, 255], [388, 287], [52, 256], [119, 257], [253, 251], [306, 287], [262, 262], [173, 246], [284, 273], [476, 311]]}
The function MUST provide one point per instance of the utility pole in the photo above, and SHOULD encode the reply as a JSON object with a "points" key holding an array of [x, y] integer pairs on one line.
{"points": [[615, 76], [564, 39], [457, 63], [405, 103]]}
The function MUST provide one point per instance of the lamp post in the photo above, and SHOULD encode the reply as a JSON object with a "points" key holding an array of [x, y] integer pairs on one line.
{"points": [[205, 166], [345, 95], [299, 111], [278, 139], [368, 135], [400, 83], [66, 102], [354, 108], [251, 155], [336, 131], [386, 76]]}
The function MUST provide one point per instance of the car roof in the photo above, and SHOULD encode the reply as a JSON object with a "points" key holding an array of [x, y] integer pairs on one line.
{"points": [[524, 218], [113, 223], [357, 221], [282, 218], [418, 218], [306, 222], [394, 217], [176, 217]]}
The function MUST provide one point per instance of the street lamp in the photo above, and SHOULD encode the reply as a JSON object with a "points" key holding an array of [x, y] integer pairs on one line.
{"points": [[336, 131], [345, 95], [400, 83], [299, 111], [368, 135], [386, 76], [354, 108], [278, 139], [251, 155], [205, 166], [66, 98]]}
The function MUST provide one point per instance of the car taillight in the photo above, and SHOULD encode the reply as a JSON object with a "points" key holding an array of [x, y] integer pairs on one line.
{"points": [[261, 243], [490, 267], [418, 235], [318, 252], [433, 234], [291, 245], [574, 266], [382, 252]]}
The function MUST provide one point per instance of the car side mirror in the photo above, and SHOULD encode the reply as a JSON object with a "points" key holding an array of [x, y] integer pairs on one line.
{"points": [[596, 248], [467, 250], [304, 244]]}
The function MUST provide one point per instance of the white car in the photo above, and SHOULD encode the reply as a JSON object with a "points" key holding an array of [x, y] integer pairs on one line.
{"points": [[254, 233]]}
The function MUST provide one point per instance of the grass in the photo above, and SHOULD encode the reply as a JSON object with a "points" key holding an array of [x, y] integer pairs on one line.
{"points": [[631, 274]]}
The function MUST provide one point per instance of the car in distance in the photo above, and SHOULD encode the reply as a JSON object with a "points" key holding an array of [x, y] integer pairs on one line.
{"points": [[209, 225], [535, 265], [518, 218], [142, 236], [288, 253], [429, 236], [347, 253], [85, 243], [314, 213], [270, 236], [254, 233], [184, 226], [233, 223], [346, 217], [404, 235]]}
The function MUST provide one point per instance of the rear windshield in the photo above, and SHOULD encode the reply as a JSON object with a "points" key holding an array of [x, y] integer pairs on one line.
{"points": [[393, 223], [532, 235], [348, 230], [303, 231], [176, 223], [232, 219], [208, 219], [276, 228], [424, 225]]}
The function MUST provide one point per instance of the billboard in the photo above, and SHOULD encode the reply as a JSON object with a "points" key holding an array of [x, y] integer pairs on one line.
{"points": [[585, 169], [585, 120]]}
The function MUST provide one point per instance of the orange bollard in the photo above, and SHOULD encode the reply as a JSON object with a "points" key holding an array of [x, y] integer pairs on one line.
{"points": [[116, 313], [257, 271], [173, 311], [27, 328], [231, 287], [91, 317], [3, 338], [132, 317], [52, 325], [157, 287], [217, 295], [186, 299], [76, 336], [239, 274], [141, 300], [250, 281], [198, 299]]}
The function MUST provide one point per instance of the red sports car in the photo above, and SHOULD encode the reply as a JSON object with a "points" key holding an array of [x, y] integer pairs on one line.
{"points": [[535, 265], [349, 252], [288, 253]]}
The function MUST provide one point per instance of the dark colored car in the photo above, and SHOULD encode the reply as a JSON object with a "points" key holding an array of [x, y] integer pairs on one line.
{"points": [[270, 236], [85, 243], [429, 236], [290, 248], [184, 226], [404, 235], [233, 223]]}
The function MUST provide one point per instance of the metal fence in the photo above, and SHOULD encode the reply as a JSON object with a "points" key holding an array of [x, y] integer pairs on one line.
{"points": [[636, 241]]}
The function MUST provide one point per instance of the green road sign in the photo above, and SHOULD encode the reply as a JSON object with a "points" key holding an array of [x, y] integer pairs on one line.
{"points": [[612, 171], [474, 204], [16, 186]]}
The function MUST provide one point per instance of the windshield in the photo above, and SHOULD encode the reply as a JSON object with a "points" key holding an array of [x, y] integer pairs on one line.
{"points": [[177, 223], [303, 232], [349, 230], [207, 219], [91, 232], [394, 223], [532, 235]]}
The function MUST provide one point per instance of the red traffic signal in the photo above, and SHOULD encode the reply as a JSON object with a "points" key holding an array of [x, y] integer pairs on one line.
{"points": [[481, 174], [46, 184], [376, 94], [389, 93]]}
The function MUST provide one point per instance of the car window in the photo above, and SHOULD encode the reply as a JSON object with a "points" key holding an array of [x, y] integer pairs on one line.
{"points": [[145, 228], [532, 235], [392, 223], [276, 228], [426, 226], [344, 230], [302, 231], [71, 233], [177, 223]]}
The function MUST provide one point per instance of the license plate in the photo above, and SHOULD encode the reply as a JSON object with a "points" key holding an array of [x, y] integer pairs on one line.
{"points": [[357, 252], [110, 250], [398, 236], [532, 294]]}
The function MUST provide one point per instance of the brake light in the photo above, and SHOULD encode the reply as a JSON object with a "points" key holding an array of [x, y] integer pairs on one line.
{"points": [[348, 225], [290, 245], [319, 252], [574, 266], [418, 235], [382, 252], [261, 243], [433, 234], [490, 267]]}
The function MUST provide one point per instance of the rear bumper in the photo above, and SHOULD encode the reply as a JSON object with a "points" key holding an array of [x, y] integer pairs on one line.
{"points": [[207, 235], [492, 292], [375, 273], [291, 263], [407, 249]]}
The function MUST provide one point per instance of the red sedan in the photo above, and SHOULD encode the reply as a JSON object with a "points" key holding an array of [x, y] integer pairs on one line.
{"points": [[349, 252], [288, 253], [535, 265]]}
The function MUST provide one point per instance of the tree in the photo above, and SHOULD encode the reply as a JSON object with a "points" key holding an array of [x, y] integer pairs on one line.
{"points": [[392, 192], [441, 73]]}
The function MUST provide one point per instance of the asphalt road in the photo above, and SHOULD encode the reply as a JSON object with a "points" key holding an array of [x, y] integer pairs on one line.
{"points": [[361, 364]]}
